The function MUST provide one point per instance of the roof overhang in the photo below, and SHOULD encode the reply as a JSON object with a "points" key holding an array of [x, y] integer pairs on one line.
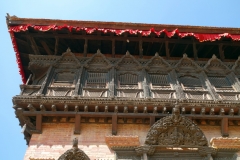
{"points": [[41, 36]]}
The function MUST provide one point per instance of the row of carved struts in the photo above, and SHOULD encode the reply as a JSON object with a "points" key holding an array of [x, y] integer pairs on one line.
{"points": [[137, 109]]}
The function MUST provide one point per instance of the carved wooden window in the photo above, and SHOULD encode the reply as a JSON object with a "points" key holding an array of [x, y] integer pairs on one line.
{"points": [[96, 80], [41, 80], [191, 83], [221, 84], [64, 79], [128, 81], [159, 81]]}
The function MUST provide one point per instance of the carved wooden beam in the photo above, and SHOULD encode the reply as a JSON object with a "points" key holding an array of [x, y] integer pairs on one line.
{"points": [[77, 88], [124, 43], [167, 50], [195, 51], [25, 55], [184, 51], [33, 44], [224, 127], [22, 42], [174, 45], [99, 41], [160, 48], [56, 45], [113, 48], [77, 124], [125, 38], [39, 123], [233, 52], [124, 115], [221, 51], [152, 120], [149, 46], [140, 49], [209, 50], [114, 124], [45, 46], [85, 48]]}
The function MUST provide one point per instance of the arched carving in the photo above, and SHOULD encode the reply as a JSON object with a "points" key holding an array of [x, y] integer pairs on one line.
{"points": [[187, 65], [176, 130], [98, 62], [157, 64], [67, 60], [216, 66], [128, 62], [74, 153]]}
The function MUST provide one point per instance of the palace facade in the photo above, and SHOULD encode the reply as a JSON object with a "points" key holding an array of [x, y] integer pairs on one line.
{"points": [[112, 90]]}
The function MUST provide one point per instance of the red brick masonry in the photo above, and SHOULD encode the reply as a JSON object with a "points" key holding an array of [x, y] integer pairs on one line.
{"points": [[57, 138]]}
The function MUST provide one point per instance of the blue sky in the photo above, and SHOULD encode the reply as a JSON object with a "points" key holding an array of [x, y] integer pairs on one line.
{"points": [[185, 12]]}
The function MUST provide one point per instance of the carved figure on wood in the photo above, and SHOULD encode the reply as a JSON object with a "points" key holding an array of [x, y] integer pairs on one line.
{"points": [[135, 109], [231, 112], [212, 111], [155, 110], [85, 108], [145, 110], [164, 111], [76, 108], [193, 111], [54, 109], [116, 109], [183, 110], [65, 107], [203, 111], [31, 108], [222, 112], [42, 108], [96, 109], [106, 109], [125, 110]]}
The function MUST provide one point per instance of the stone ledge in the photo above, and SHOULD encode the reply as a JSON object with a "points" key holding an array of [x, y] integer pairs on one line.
{"points": [[225, 143]]}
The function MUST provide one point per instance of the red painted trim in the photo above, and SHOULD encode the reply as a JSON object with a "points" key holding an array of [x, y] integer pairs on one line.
{"points": [[199, 36]]}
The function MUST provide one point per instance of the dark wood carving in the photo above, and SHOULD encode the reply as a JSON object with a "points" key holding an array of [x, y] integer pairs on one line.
{"points": [[175, 130], [74, 153]]}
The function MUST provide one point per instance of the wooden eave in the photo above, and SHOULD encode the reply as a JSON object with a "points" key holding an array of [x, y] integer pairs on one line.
{"points": [[55, 42], [121, 25]]}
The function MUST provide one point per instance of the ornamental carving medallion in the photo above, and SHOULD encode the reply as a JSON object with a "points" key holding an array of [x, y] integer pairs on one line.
{"points": [[175, 130], [75, 153]]}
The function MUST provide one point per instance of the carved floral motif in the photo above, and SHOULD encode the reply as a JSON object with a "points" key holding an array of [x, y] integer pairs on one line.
{"points": [[175, 130]]}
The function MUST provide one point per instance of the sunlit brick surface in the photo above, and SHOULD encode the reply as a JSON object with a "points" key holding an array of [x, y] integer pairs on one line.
{"points": [[57, 138]]}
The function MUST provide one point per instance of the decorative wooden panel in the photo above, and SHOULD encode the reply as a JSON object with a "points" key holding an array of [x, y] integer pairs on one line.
{"points": [[30, 91], [128, 81], [131, 93], [60, 92], [163, 95], [96, 80], [191, 83], [64, 78], [95, 93], [159, 81], [221, 84]]}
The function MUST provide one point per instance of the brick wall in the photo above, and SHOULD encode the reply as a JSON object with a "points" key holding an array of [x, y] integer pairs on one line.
{"points": [[57, 138]]}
